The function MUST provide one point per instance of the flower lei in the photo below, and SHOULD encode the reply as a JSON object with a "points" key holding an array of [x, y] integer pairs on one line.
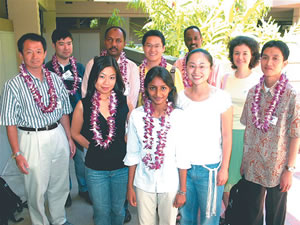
{"points": [[74, 70], [186, 82], [122, 65], [36, 93], [163, 63], [94, 121], [280, 87], [155, 164]]}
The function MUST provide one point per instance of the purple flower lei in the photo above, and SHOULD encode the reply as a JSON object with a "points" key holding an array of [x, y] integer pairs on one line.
{"points": [[280, 87], [74, 70], [35, 92], [184, 72], [110, 120], [155, 164], [122, 65], [163, 63]]}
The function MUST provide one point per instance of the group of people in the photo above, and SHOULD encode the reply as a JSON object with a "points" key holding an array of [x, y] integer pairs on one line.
{"points": [[167, 139]]}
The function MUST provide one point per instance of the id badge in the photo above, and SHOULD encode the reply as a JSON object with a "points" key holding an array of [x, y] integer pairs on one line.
{"points": [[274, 120], [67, 75]]}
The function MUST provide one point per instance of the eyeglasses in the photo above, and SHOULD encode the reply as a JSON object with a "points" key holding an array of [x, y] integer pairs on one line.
{"points": [[157, 46]]}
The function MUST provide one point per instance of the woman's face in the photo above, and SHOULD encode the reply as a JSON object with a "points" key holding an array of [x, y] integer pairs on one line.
{"points": [[198, 68], [158, 91], [106, 80], [242, 56]]}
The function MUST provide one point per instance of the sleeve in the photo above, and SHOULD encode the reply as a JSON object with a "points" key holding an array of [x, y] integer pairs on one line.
{"points": [[86, 76], [65, 100], [80, 69], [226, 102], [10, 107], [133, 144], [216, 75], [178, 81], [294, 131], [244, 116], [182, 137], [134, 82]]}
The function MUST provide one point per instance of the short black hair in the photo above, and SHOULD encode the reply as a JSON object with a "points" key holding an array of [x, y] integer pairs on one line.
{"points": [[156, 33], [31, 37], [251, 43], [100, 63], [115, 27], [191, 27], [201, 50], [164, 74], [60, 34], [278, 44]]}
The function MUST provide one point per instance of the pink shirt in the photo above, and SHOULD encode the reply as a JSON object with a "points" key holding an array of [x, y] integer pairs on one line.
{"points": [[215, 77], [132, 88], [266, 154]]}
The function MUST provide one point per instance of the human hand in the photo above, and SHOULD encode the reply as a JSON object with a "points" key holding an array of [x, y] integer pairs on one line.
{"points": [[72, 147], [286, 181], [131, 197], [179, 200], [222, 176], [22, 164]]}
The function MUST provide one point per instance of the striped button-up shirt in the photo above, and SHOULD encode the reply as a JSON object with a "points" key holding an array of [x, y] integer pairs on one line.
{"points": [[19, 108]]}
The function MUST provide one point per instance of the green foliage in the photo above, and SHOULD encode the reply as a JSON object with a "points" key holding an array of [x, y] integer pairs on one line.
{"points": [[94, 23], [218, 22], [116, 19]]}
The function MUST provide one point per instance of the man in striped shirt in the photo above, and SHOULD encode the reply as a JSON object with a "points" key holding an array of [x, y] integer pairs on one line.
{"points": [[35, 112]]}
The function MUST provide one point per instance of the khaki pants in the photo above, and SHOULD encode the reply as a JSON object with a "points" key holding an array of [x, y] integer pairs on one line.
{"points": [[47, 154], [147, 204]]}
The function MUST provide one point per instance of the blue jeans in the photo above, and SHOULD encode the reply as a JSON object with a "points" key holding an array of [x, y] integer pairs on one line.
{"points": [[107, 190], [197, 195], [80, 170]]}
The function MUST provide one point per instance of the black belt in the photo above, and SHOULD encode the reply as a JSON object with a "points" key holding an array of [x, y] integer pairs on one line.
{"points": [[50, 127]]}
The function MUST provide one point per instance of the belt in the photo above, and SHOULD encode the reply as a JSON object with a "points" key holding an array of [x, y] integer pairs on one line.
{"points": [[50, 127]]}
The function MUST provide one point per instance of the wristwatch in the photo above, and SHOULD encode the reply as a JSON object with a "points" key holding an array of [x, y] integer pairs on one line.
{"points": [[290, 168], [16, 154]]}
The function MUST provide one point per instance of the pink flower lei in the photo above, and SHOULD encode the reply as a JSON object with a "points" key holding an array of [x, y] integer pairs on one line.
{"points": [[110, 120], [155, 164], [35, 92], [163, 63], [74, 70], [186, 82], [122, 65], [280, 87]]}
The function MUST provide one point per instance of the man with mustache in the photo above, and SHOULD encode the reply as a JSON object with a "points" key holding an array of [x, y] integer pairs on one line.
{"points": [[193, 40], [71, 72], [115, 40]]}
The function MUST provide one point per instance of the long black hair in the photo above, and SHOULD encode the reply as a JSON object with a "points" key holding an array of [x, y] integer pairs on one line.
{"points": [[164, 74], [100, 63]]}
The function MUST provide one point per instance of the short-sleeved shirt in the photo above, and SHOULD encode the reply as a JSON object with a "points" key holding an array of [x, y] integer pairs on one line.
{"points": [[203, 119], [19, 108], [266, 154], [165, 179]]}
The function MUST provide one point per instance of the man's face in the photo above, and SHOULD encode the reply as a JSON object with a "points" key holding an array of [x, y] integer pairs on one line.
{"points": [[33, 54], [192, 39], [114, 42], [64, 48], [153, 49]]}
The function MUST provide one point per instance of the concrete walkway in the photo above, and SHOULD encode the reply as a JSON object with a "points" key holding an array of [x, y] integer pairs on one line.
{"points": [[80, 213]]}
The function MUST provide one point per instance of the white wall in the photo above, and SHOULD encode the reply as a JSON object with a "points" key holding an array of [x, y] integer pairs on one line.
{"points": [[8, 69]]}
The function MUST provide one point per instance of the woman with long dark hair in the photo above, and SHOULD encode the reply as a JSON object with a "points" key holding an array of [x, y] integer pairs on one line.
{"points": [[99, 126]]}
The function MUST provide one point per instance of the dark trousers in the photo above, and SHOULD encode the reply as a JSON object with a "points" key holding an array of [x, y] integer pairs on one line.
{"points": [[254, 196]]}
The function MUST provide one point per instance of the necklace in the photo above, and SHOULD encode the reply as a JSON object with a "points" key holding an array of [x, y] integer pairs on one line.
{"points": [[163, 63], [74, 70], [155, 161], [110, 120], [186, 81], [36, 93], [280, 87], [122, 65]]}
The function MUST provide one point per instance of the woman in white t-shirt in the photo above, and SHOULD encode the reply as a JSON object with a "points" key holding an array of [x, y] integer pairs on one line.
{"points": [[155, 151], [244, 56], [208, 114]]}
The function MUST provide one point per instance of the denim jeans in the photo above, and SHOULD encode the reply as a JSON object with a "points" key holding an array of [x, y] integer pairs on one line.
{"points": [[80, 170], [197, 196], [107, 190]]}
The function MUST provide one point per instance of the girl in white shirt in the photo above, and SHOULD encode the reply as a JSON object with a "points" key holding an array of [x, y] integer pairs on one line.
{"points": [[208, 115], [155, 152]]}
